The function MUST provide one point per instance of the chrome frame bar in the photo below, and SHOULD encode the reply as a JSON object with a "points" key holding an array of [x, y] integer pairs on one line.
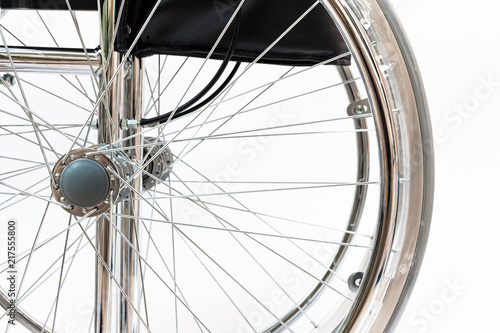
{"points": [[50, 61], [130, 273], [123, 100]]}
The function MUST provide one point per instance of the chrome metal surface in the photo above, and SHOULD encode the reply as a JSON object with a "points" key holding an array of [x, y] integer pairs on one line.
{"points": [[126, 124], [363, 172], [359, 107], [394, 251], [129, 266], [49, 61], [108, 120], [160, 168], [124, 100]]}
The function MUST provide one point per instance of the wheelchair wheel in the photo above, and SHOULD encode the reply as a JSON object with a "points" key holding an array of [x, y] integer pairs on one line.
{"points": [[295, 196]]}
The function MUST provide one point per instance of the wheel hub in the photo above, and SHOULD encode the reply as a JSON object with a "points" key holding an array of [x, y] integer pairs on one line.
{"points": [[159, 169], [87, 178], [84, 183]]}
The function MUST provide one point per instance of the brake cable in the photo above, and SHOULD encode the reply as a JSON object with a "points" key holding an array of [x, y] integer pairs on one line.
{"points": [[188, 107]]}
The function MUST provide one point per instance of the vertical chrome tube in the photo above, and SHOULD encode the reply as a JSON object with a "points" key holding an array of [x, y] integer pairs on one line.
{"points": [[109, 118], [129, 261], [114, 313]]}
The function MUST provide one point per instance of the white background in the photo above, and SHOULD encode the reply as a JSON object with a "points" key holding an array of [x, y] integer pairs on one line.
{"points": [[457, 44]]}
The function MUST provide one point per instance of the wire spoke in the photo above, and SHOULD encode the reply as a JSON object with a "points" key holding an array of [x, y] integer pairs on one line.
{"points": [[31, 194], [59, 284], [103, 263], [260, 217], [132, 247], [275, 189], [248, 235]]}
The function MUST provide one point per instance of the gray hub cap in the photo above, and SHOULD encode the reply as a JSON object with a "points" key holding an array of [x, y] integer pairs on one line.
{"points": [[84, 183]]}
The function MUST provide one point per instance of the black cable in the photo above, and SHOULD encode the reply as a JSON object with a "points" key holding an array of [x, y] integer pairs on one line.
{"points": [[186, 107], [208, 99]]}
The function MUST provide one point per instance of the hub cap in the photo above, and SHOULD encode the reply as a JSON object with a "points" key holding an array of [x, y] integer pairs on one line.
{"points": [[84, 181]]}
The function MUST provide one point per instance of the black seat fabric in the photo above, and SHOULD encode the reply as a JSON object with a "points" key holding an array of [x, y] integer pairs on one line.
{"points": [[191, 27], [49, 4]]}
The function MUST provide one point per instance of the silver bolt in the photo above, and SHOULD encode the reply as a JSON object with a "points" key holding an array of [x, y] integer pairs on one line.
{"points": [[96, 157], [57, 175], [72, 157], [112, 177], [84, 211], [106, 201], [359, 109], [63, 199]]}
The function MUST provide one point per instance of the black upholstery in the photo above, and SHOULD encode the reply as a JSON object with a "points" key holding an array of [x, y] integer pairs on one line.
{"points": [[191, 27], [49, 4]]}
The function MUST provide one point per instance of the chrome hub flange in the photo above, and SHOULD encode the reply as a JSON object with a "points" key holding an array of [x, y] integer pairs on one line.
{"points": [[159, 168], [87, 178], [84, 181]]}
